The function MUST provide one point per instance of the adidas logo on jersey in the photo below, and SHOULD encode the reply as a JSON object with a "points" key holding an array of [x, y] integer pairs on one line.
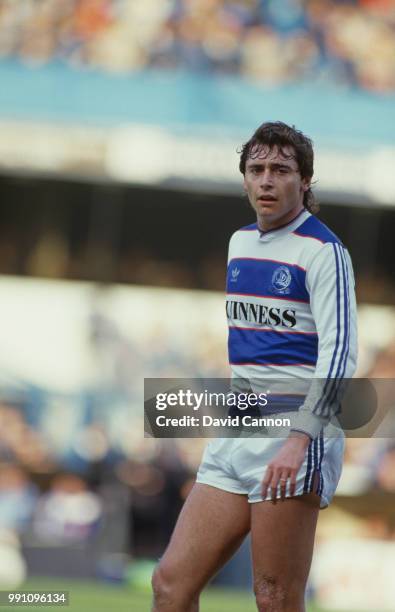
{"points": [[235, 274]]}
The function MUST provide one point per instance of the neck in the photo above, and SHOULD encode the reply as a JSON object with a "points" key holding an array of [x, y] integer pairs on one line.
{"points": [[266, 225]]}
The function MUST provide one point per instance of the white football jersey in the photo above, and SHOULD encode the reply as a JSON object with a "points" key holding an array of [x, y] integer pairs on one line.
{"points": [[291, 312]]}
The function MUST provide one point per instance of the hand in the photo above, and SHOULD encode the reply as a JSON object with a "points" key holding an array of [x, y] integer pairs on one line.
{"points": [[285, 466]]}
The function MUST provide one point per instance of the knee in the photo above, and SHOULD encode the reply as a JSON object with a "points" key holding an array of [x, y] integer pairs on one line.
{"points": [[269, 594], [272, 595], [169, 590], [163, 587]]}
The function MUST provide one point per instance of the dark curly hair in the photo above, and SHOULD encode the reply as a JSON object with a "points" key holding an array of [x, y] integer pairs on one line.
{"points": [[281, 135]]}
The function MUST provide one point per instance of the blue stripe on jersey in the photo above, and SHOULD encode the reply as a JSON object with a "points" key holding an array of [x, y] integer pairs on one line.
{"points": [[276, 405], [347, 314], [333, 383], [271, 347], [249, 228], [349, 328], [348, 318], [319, 407], [280, 409], [282, 403], [314, 228], [341, 367], [288, 398], [267, 278]]}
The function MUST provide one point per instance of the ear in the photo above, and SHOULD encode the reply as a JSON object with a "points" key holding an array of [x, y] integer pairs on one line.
{"points": [[244, 184], [306, 184]]}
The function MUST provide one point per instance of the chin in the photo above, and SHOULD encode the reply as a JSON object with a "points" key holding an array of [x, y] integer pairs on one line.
{"points": [[268, 214]]}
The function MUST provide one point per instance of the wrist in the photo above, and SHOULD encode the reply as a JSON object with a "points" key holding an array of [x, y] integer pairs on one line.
{"points": [[301, 437]]}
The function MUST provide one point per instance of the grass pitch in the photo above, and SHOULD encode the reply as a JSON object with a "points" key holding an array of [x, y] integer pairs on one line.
{"points": [[99, 597]]}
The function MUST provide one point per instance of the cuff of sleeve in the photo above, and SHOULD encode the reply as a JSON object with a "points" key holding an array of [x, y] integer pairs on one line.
{"points": [[307, 423]]}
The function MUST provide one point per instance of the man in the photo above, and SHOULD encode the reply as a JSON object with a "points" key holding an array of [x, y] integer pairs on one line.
{"points": [[292, 314]]}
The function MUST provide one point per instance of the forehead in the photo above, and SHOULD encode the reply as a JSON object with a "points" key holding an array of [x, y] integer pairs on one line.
{"points": [[275, 154]]}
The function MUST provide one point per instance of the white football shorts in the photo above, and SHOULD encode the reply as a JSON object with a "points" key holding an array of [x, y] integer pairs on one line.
{"points": [[238, 465]]}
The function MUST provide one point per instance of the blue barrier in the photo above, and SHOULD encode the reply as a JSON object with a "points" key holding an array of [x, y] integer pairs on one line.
{"points": [[180, 101]]}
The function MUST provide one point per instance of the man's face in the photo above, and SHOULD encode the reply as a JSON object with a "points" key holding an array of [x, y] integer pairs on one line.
{"points": [[274, 185]]}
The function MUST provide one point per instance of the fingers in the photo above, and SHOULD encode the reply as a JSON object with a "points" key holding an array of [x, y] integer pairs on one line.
{"points": [[292, 486], [283, 486], [278, 479], [282, 471], [280, 483], [274, 484]]}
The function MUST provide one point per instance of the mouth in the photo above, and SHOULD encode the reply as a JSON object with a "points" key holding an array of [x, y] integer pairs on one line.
{"points": [[265, 199]]}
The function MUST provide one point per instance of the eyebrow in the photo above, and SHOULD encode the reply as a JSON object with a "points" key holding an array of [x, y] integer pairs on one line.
{"points": [[257, 164]]}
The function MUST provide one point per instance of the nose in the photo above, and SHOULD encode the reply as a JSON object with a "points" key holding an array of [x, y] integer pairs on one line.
{"points": [[266, 178]]}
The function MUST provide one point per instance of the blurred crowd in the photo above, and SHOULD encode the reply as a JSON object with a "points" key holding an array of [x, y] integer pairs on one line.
{"points": [[347, 42], [76, 470], [51, 255], [46, 503], [79, 489]]}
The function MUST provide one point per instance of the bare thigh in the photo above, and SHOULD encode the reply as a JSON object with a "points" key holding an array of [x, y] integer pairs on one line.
{"points": [[211, 526], [282, 535]]}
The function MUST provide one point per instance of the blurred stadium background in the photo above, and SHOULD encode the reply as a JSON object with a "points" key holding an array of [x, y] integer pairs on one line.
{"points": [[119, 190]]}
